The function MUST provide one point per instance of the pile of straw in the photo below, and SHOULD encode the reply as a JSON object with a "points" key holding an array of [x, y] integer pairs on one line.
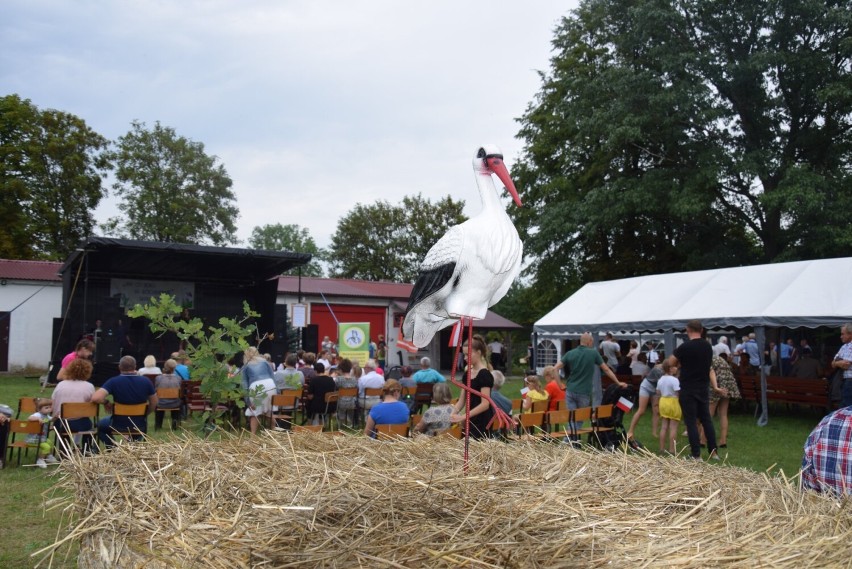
{"points": [[310, 500]]}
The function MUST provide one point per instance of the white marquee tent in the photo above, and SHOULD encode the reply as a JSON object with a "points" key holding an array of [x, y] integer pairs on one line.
{"points": [[799, 294]]}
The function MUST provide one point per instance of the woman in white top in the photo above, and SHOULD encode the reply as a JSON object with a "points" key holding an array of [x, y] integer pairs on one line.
{"points": [[150, 367]]}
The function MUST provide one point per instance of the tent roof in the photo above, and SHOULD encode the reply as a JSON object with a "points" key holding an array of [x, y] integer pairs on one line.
{"points": [[800, 294], [125, 258]]}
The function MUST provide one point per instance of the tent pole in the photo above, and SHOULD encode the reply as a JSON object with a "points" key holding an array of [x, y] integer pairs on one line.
{"points": [[760, 337]]}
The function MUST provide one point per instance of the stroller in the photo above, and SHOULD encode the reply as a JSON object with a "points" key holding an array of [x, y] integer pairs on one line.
{"points": [[612, 439]]}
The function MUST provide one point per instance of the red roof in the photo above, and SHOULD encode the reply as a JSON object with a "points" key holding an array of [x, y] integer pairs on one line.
{"points": [[344, 287], [30, 270]]}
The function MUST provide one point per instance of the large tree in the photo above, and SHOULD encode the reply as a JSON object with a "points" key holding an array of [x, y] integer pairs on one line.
{"points": [[51, 170], [289, 237], [171, 189], [387, 242], [685, 134]]}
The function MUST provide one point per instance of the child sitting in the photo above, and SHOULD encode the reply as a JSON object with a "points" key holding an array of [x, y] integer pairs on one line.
{"points": [[43, 414], [670, 412]]}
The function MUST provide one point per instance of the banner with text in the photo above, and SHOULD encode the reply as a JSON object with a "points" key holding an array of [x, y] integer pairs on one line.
{"points": [[354, 341], [137, 291]]}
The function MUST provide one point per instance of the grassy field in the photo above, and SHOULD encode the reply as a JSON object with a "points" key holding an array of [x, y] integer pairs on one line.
{"points": [[773, 448]]}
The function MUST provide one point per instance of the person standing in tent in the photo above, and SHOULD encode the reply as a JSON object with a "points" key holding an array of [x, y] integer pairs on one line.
{"points": [[843, 360], [694, 358]]}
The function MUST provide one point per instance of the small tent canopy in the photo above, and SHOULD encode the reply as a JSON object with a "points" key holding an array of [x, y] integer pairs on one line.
{"points": [[801, 294]]}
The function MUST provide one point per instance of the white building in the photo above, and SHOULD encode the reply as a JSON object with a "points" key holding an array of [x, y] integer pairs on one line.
{"points": [[30, 298]]}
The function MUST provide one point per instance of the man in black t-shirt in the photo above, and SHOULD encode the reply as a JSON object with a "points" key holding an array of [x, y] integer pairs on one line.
{"points": [[694, 357]]}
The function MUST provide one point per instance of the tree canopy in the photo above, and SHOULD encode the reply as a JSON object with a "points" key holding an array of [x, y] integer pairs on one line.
{"points": [[171, 190], [289, 237], [674, 135], [51, 170], [387, 242]]}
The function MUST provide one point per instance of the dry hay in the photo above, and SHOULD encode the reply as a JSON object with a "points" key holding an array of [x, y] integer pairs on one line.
{"points": [[310, 500]]}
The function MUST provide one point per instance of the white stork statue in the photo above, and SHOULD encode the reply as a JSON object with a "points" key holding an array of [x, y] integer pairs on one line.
{"points": [[473, 265], [469, 269]]}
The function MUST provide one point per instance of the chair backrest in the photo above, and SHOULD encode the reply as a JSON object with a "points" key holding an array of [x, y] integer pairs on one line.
{"points": [[517, 406], [532, 419], [26, 406], [558, 417], [582, 414], [373, 392], [168, 393], [455, 431], [135, 410], [392, 430], [415, 419], [603, 412], [152, 377], [25, 427], [78, 410], [348, 392], [561, 405], [307, 428], [282, 400], [540, 406], [423, 392], [332, 396]]}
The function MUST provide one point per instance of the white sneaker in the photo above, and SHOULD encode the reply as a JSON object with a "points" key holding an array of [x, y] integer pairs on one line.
{"points": [[50, 459], [41, 463]]}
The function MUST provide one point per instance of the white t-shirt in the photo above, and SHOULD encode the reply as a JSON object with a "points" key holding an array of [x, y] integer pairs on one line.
{"points": [[668, 386], [496, 347], [720, 349]]}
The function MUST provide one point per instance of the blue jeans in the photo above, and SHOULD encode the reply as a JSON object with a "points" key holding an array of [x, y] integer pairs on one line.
{"points": [[575, 400]]}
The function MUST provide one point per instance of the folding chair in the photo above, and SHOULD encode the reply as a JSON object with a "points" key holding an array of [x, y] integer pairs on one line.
{"points": [[71, 411], [25, 428], [299, 402], [393, 431], [362, 402], [331, 399]]}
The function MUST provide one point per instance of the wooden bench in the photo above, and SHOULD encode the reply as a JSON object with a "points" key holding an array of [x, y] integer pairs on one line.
{"points": [[790, 390]]}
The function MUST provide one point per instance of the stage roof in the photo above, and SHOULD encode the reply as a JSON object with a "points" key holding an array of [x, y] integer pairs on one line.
{"points": [[125, 258]]}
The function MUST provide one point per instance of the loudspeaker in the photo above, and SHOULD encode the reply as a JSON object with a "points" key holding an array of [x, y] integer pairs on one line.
{"points": [[279, 322], [107, 349], [310, 338]]}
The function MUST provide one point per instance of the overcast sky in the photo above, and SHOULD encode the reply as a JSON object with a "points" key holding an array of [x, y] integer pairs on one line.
{"points": [[312, 106]]}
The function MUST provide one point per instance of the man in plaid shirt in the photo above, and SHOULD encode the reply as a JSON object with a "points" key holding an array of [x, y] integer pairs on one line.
{"points": [[827, 464]]}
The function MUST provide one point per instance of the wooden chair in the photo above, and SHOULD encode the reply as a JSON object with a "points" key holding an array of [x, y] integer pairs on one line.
{"points": [[540, 406], [307, 428], [70, 411], [136, 411], [299, 404], [601, 412], [392, 431], [455, 431], [517, 406], [413, 421], [25, 428], [532, 424], [557, 418], [422, 396], [348, 392], [561, 405], [331, 399], [168, 393], [152, 377], [577, 416], [362, 402], [283, 409]]}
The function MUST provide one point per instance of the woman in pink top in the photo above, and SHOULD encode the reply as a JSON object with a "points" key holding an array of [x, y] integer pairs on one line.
{"points": [[76, 388]]}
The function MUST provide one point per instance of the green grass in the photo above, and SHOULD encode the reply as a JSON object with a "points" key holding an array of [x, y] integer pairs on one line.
{"points": [[28, 526]]}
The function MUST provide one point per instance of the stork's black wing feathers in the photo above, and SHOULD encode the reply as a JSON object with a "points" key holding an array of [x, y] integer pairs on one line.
{"points": [[429, 282]]}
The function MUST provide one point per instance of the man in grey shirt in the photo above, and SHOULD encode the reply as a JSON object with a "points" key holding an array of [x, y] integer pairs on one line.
{"points": [[611, 351]]}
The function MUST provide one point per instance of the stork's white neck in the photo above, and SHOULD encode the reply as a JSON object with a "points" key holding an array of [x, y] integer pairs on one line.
{"points": [[488, 191]]}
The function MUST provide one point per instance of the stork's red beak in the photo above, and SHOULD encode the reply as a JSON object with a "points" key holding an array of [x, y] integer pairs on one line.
{"points": [[496, 164]]}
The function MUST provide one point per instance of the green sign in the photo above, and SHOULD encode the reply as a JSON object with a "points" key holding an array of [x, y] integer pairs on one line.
{"points": [[353, 341]]}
